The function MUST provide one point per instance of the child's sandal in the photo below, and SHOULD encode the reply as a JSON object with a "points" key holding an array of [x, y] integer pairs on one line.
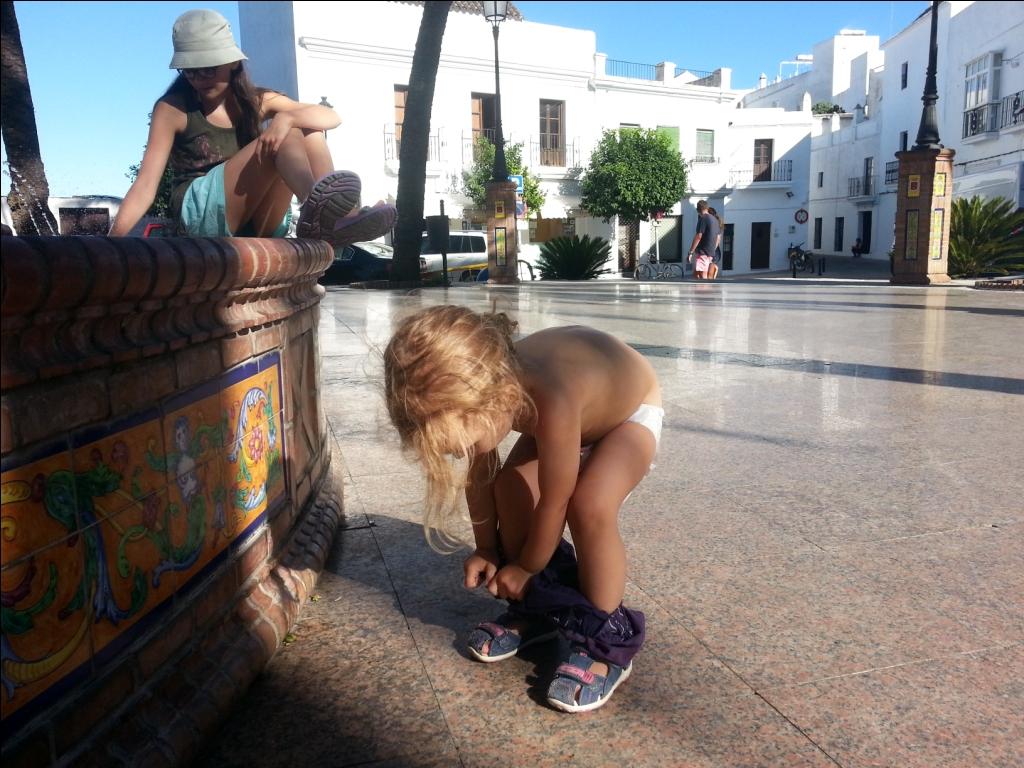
{"points": [[502, 643], [577, 689]]}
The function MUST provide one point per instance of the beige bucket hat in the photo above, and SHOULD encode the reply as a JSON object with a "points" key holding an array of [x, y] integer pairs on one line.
{"points": [[203, 39]]}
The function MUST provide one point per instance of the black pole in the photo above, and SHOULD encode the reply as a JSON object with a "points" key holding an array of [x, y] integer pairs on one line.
{"points": [[928, 132], [500, 166]]}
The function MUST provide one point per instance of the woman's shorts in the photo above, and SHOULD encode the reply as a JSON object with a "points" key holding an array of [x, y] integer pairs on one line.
{"points": [[702, 263], [203, 210]]}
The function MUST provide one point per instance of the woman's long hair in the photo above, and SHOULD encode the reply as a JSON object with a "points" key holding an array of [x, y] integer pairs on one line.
{"points": [[247, 97]]}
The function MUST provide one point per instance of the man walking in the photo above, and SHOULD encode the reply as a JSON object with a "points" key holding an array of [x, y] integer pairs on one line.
{"points": [[705, 240]]}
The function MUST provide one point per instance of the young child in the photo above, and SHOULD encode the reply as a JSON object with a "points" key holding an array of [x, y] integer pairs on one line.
{"points": [[231, 176], [588, 410]]}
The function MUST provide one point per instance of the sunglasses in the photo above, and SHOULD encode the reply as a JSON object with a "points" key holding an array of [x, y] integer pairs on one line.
{"points": [[202, 72]]}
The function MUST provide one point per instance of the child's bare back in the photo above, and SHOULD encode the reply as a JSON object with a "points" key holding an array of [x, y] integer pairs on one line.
{"points": [[580, 371]]}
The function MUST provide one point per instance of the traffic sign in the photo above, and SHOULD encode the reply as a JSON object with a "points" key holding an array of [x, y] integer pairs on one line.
{"points": [[518, 179]]}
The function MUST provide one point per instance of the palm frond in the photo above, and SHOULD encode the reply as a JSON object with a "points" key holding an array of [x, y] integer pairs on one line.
{"points": [[573, 258], [986, 238]]}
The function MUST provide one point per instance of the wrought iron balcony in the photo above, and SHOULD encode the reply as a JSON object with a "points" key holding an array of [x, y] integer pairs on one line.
{"points": [[632, 70], [981, 120], [861, 186], [779, 173], [392, 146], [1012, 110], [892, 173], [552, 150]]}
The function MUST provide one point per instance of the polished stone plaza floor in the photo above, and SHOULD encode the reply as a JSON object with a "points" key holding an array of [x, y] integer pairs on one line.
{"points": [[830, 552]]}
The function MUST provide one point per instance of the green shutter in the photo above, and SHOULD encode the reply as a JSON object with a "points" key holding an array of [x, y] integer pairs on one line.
{"points": [[673, 134]]}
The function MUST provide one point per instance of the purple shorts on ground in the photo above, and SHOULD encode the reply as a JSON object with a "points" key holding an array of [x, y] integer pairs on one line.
{"points": [[554, 594]]}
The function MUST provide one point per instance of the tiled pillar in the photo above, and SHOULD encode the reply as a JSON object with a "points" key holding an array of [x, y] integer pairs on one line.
{"points": [[923, 212], [502, 246]]}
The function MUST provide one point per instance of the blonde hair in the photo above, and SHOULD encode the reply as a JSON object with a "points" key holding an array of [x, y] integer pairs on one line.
{"points": [[445, 365]]}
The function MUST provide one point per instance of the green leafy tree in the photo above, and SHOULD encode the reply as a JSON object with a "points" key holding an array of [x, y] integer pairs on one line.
{"points": [[475, 179], [161, 206], [633, 172], [826, 108], [981, 240]]}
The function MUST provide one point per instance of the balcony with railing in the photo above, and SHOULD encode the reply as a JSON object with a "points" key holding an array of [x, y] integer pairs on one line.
{"points": [[861, 187], [653, 72], [551, 150], [470, 148], [981, 122], [392, 146], [779, 175], [892, 173], [1012, 111]]}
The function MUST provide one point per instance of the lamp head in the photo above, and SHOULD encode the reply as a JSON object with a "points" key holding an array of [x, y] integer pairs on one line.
{"points": [[495, 11]]}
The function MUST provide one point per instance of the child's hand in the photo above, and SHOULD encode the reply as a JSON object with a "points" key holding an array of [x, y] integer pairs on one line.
{"points": [[480, 567], [510, 582], [269, 142]]}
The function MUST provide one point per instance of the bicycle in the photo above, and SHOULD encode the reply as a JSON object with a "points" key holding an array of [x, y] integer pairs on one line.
{"points": [[655, 270], [799, 259]]}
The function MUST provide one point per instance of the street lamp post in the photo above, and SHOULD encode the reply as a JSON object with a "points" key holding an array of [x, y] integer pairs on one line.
{"points": [[924, 198], [495, 12], [502, 243]]}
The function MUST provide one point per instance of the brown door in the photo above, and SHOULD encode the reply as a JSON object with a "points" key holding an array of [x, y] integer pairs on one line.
{"points": [[552, 141], [763, 159], [484, 116], [760, 244], [401, 95]]}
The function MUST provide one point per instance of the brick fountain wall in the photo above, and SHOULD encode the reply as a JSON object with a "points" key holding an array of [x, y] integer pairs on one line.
{"points": [[167, 495]]}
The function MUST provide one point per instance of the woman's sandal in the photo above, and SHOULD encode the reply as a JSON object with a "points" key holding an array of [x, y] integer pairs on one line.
{"points": [[333, 198], [577, 689], [502, 642]]}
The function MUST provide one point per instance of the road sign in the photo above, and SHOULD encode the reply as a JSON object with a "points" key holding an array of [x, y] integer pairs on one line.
{"points": [[518, 179]]}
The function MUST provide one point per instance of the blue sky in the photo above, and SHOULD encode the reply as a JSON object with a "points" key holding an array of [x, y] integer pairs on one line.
{"points": [[96, 68]]}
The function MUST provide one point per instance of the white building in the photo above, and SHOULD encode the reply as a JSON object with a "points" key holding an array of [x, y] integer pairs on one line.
{"points": [[854, 170], [775, 172], [558, 95]]}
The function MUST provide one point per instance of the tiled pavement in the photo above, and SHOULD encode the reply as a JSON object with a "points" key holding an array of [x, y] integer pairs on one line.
{"points": [[830, 552]]}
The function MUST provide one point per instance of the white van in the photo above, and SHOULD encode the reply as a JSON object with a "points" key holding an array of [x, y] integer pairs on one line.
{"points": [[467, 258], [467, 255]]}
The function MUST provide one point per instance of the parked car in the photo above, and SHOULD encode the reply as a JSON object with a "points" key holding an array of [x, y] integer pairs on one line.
{"points": [[467, 255], [360, 262]]}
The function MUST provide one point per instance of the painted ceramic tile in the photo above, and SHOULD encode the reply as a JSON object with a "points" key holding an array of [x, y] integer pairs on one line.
{"points": [[155, 499], [123, 451], [49, 601], [195, 438], [38, 507], [254, 459], [131, 549]]}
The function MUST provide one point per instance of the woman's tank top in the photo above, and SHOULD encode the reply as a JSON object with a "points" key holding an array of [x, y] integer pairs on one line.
{"points": [[198, 149]]}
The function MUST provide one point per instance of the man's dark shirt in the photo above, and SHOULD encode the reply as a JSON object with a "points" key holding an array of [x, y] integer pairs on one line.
{"points": [[709, 230]]}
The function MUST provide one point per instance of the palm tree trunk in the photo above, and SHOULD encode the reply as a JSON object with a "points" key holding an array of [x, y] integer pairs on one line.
{"points": [[412, 156], [29, 189]]}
